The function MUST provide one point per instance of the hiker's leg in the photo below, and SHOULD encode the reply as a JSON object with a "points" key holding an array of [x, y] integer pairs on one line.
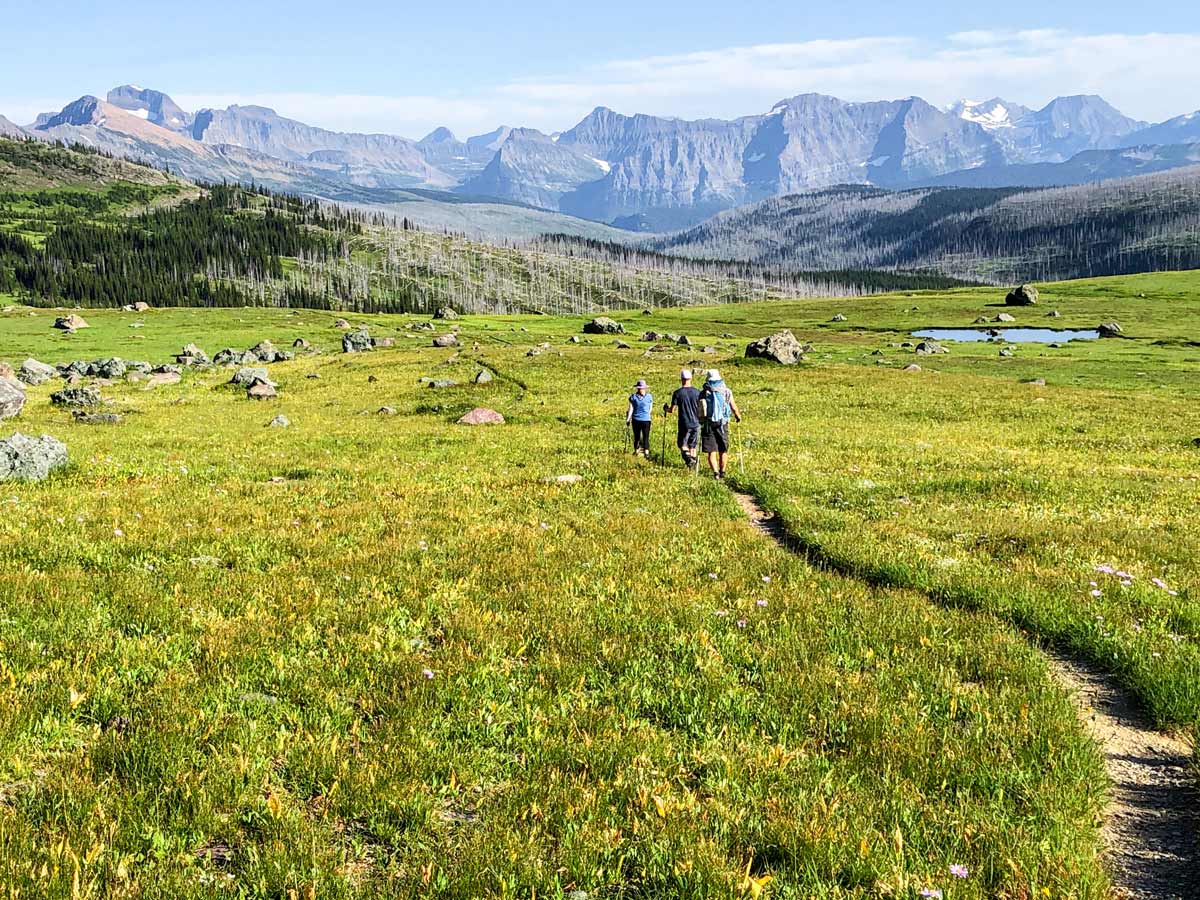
{"points": [[724, 461], [714, 462]]}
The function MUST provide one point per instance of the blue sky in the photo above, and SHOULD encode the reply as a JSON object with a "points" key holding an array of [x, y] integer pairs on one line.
{"points": [[404, 68]]}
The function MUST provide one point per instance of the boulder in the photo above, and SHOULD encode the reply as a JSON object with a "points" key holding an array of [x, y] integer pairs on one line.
{"points": [[111, 368], [23, 458], [138, 366], [301, 344], [1004, 317], [34, 373], [1025, 295], [446, 340], [279, 422], [76, 369], [383, 342], [357, 342], [982, 320], [839, 318], [422, 326], [70, 323], [484, 377], [781, 347], [342, 324], [191, 355], [482, 416], [651, 337], [231, 357], [247, 375], [141, 306], [168, 369], [1006, 352], [912, 367], [387, 411], [683, 341], [1109, 329], [445, 313], [929, 348], [87, 418], [621, 345], [12, 398], [442, 383], [603, 325], [264, 351], [261, 390], [78, 398]]}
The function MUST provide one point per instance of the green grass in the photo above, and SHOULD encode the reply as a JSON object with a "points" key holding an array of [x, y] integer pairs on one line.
{"points": [[213, 633]]}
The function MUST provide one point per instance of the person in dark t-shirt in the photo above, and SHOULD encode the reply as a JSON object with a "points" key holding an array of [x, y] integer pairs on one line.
{"points": [[687, 400]]}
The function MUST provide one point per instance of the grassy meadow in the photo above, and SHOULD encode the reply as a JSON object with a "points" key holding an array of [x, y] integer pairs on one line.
{"points": [[386, 655]]}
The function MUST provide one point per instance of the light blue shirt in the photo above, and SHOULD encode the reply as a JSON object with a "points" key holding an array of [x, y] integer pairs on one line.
{"points": [[643, 406]]}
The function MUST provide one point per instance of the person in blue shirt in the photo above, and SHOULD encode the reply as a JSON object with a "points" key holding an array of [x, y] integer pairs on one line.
{"points": [[640, 415]]}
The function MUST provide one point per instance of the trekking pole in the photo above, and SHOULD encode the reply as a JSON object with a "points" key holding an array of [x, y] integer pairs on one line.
{"points": [[740, 443], [662, 457], [625, 446]]}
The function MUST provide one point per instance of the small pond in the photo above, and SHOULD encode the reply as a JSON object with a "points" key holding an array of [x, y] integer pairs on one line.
{"points": [[1007, 335]]}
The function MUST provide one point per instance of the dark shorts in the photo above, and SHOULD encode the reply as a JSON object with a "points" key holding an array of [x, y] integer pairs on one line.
{"points": [[688, 436], [716, 438]]}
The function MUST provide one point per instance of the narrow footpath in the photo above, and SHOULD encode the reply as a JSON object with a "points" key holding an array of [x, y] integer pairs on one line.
{"points": [[1152, 817]]}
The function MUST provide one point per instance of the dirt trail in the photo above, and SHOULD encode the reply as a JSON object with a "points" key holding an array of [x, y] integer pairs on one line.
{"points": [[1152, 821]]}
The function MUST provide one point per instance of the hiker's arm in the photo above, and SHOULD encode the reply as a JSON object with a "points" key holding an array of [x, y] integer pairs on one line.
{"points": [[629, 412], [737, 413]]}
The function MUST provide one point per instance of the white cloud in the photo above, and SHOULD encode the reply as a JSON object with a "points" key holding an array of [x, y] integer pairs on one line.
{"points": [[1151, 76]]}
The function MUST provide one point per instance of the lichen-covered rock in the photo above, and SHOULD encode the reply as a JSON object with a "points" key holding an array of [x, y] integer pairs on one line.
{"points": [[24, 458], [247, 375], [35, 373], [78, 398], [261, 390], [191, 355], [446, 340], [482, 416], [603, 325], [445, 313], [1109, 329], [70, 323], [12, 398], [357, 342], [781, 347], [1025, 295]]}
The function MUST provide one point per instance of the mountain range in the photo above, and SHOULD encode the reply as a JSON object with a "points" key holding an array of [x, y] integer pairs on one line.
{"points": [[640, 172]]}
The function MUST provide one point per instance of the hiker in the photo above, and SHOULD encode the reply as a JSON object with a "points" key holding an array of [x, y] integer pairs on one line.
{"points": [[639, 415], [686, 399], [716, 406]]}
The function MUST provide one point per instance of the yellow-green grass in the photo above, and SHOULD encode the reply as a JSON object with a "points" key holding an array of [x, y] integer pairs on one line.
{"points": [[214, 638]]}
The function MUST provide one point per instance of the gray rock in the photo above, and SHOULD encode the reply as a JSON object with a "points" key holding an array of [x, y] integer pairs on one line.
{"points": [[445, 313], [484, 377], [279, 422], [621, 345], [1004, 317], [138, 366], [422, 326], [191, 355], [264, 351], [684, 341], [535, 351], [231, 357], [160, 379], [482, 416], [929, 348], [912, 367], [839, 318], [342, 324], [79, 398], [76, 369], [573, 339], [565, 479], [167, 370], [443, 383], [1025, 295], [1053, 314], [446, 340], [86, 418], [387, 410], [12, 398], [651, 337], [247, 375], [357, 342], [23, 458], [1109, 329], [1006, 352], [603, 325], [301, 344], [383, 342], [781, 347], [35, 373], [111, 368]]}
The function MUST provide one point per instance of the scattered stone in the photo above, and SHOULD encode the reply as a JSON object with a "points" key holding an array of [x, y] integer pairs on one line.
{"points": [[603, 325], [1036, 382], [839, 318], [85, 418], [23, 458], [1025, 295], [683, 341], [1053, 314], [445, 312], [261, 390], [565, 479], [387, 411], [912, 367], [205, 562], [1109, 329], [191, 355], [35, 373], [357, 342], [1004, 351], [383, 342], [651, 337], [929, 348], [372, 379], [535, 351], [301, 344], [482, 416], [141, 306], [138, 366], [443, 383], [422, 326], [621, 345], [1004, 317], [231, 357], [161, 379], [982, 320], [279, 422], [70, 323], [342, 324], [709, 350], [647, 312], [81, 398], [484, 377], [446, 340], [573, 339], [111, 369], [1055, 346], [247, 375], [12, 398], [781, 347]]}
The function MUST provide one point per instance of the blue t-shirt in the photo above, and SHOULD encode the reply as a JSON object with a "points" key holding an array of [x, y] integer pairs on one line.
{"points": [[643, 406]]}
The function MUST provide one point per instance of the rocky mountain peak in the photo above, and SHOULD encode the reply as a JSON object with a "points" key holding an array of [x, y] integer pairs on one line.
{"points": [[153, 106]]}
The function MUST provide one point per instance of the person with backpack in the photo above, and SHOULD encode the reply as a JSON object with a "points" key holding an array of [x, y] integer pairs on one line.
{"points": [[640, 415], [687, 400], [716, 407]]}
